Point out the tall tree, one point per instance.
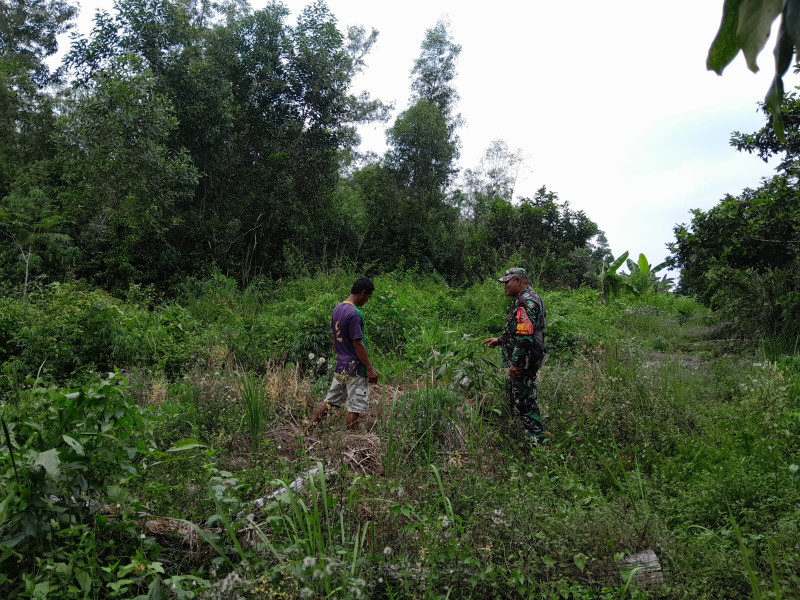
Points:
(423, 148)
(29, 31)
(420, 152)
(263, 108)
(435, 70)
(121, 179)
(432, 81)
(28, 36)
(494, 178)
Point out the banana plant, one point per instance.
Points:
(609, 277)
(643, 277)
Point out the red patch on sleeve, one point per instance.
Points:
(524, 325)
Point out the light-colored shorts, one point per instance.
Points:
(352, 389)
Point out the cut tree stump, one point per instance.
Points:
(646, 568)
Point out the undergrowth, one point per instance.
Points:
(159, 451)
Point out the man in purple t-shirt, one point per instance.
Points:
(354, 371)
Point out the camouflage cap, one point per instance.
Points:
(511, 273)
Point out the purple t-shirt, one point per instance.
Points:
(347, 324)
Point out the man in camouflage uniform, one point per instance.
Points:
(522, 343)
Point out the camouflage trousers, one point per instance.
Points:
(523, 395)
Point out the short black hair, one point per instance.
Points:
(362, 284)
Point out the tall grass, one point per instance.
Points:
(670, 377)
(253, 393)
(430, 422)
(311, 528)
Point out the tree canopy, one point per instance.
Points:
(195, 137)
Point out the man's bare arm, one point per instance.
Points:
(361, 353)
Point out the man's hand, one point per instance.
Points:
(492, 342)
(513, 372)
(361, 353)
(372, 375)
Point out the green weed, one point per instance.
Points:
(253, 394)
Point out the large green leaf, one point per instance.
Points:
(644, 266)
(84, 580)
(184, 445)
(153, 592)
(74, 444)
(658, 267)
(773, 101)
(617, 263)
(784, 50)
(791, 21)
(755, 22)
(725, 46)
(50, 461)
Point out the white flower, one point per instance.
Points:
(309, 562)
(310, 356)
(445, 522)
(306, 593)
(387, 551)
(529, 474)
(321, 360)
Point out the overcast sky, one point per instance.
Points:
(610, 102)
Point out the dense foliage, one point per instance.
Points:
(663, 437)
(199, 137)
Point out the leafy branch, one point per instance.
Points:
(746, 26)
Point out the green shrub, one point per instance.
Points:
(577, 320)
(64, 455)
(68, 329)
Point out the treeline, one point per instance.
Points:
(183, 138)
(742, 257)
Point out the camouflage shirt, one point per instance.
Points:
(523, 333)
